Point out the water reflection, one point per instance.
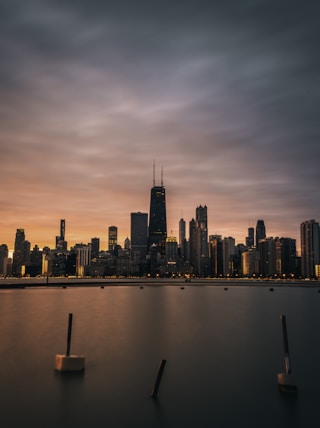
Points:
(223, 352)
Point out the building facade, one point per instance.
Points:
(158, 219)
(310, 248)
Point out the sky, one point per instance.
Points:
(223, 95)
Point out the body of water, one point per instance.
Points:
(223, 349)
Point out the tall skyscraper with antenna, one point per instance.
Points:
(158, 215)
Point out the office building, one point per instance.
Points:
(215, 255)
(139, 233)
(192, 245)
(310, 248)
(158, 217)
(267, 252)
(112, 238)
(250, 237)
(202, 249)
(260, 232)
(182, 238)
(18, 254)
(4, 252)
(61, 243)
(228, 251)
(95, 247)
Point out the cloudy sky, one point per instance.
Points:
(224, 95)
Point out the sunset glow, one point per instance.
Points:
(223, 96)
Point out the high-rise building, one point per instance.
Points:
(61, 243)
(202, 249)
(158, 217)
(62, 229)
(182, 238)
(112, 238)
(95, 247)
(250, 237)
(18, 252)
(286, 257)
(310, 248)
(139, 234)
(139, 243)
(250, 262)
(216, 256)
(171, 249)
(3, 259)
(228, 251)
(267, 251)
(260, 232)
(192, 244)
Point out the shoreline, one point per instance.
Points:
(21, 283)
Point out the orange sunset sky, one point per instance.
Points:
(223, 95)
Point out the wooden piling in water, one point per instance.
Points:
(158, 379)
(67, 362)
(286, 381)
(69, 335)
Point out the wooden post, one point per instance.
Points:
(285, 344)
(67, 362)
(286, 381)
(158, 379)
(69, 335)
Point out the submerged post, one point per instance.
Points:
(69, 335)
(285, 344)
(286, 381)
(158, 379)
(67, 362)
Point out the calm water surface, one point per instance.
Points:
(223, 350)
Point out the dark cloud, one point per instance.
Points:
(223, 94)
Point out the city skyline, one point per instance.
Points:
(223, 96)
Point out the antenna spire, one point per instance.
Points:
(154, 173)
(162, 176)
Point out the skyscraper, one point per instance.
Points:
(202, 249)
(310, 247)
(158, 216)
(60, 240)
(139, 233)
(192, 244)
(20, 253)
(112, 238)
(182, 238)
(250, 237)
(267, 254)
(62, 229)
(260, 232)
(95, 247)
(228, 250)
(3, 259)
(216, 255)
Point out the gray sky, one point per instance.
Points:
(223, 94)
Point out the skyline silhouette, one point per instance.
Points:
(222, 95)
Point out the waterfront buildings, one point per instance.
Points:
(112, 238)
(60, 239)
(260, 232)
(20, 252)
(310, 248)
(139, 242)
(182, 238)
(250, 237)
(150, 252)
(158, 217)
(3, 259)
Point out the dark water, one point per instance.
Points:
(223, 350)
